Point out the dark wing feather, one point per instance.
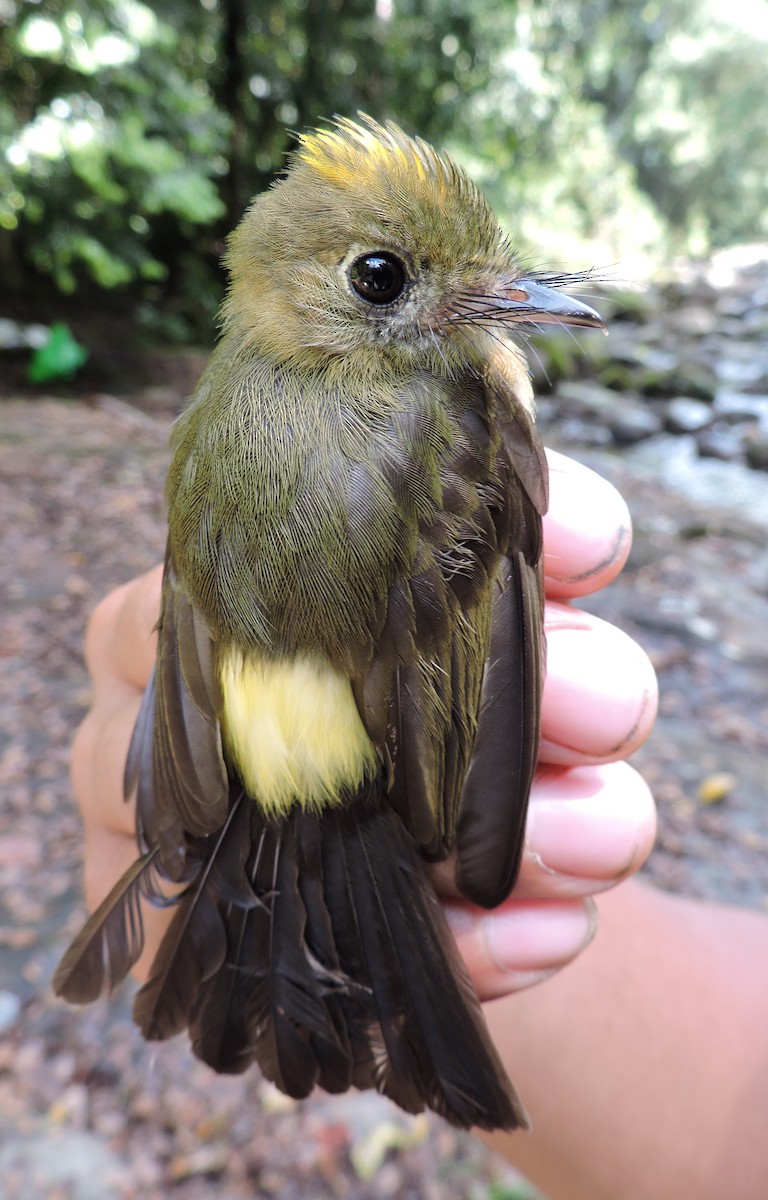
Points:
(419, 697)
(524, 448)
(495, 798)
(175, 760)
(213, 911)
(194, 946)
(494, 801)
(137, 777)
(110, 942)
(458, 668)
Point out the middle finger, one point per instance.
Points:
(600, 692)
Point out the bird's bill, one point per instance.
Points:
(529, 300)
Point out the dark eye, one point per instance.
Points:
(379, 277)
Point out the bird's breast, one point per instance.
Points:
(292, 514)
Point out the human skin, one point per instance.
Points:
(644, 1064)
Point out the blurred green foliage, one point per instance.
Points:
(131, 137)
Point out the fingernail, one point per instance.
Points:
(577, 829)
(595, 703)
(537, 938)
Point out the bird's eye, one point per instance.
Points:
(379, 277)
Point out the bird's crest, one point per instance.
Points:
(351, 152)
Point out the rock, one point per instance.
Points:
(546, 410)
(617, 375)
(695, 320)
(686, 378)
(633, 423)
(621, 347)
(690, 285)
(742, 363)
(732, 305)
(63, 1162)
(756, 323)
(683, 414)
(654, 358)
(580, 398)
(756, 452)
(573, 431)
(725, 442)
(729, 488)
(631, 304)
(593, 415)
(742, 406)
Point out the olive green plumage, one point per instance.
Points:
(350, 654)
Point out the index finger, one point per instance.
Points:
(587, 531)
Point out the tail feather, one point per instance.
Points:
(218, 1023)
(397, 1069)
(111, 941)
(318, 951)
(267, 1003)
(438, 1048)
(193, 950)
(348, 1065)
(288, 1014)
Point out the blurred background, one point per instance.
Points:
(631, 138)
(132, 137)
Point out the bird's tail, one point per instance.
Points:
(314, 946)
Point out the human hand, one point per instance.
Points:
(591, 820)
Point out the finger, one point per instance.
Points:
(98, 759)
(588, 828)
(587, 531)
(520, 944)
(121, 642)
(600, 692)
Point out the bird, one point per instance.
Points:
(350, 647)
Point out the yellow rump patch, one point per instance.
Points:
(294, 732)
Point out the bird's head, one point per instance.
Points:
(374, 247)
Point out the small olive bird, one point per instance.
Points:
(350, 648)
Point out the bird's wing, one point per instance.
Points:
(452, 696)
(175, 762)
(494, 801)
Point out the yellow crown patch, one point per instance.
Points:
(350, 150)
